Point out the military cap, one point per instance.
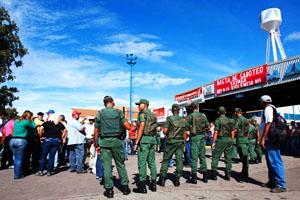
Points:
(142, 101)
(237, 110)
(193, 105)
(175, 106)
(107, 99)
(222, 110)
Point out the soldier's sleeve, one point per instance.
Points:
(142, 117)
(97, 123)
(168, 123)
(217, 125)
(122, 116)
(237, 124)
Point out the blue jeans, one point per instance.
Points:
(188, 152)
(99, 167)
(132, 143)
(50, 147)
(275, 165)
(17, 146)
(125, 149)
(76, 157)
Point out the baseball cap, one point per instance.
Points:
(237, 110)
(175, 106)
(144, 101)
(266, 98)
(75, 113)
(50, 111)
(222, 109)
(40, 114)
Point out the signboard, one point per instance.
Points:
(189, 96)
(248, 78)
(209, 90)
(159, 112)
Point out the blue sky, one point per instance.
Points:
(77, 47)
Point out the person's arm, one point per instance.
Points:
(268, 120)
(258, 136)
(63, 136)
(139, 135)
(97, 129)
(265, 134)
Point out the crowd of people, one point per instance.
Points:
(32, 144)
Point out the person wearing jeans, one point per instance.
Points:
(76, 158)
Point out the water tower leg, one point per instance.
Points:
(274, 46)
(280, 46)
(268, 50)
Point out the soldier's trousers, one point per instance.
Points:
(243, 144)
(146, 155)
(170, 149)
(234, 149)
(252, 153)
(198, 151)
(106, 156)
(224, 144)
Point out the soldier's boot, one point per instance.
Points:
(109, 193)
(194, 179)
(177, 182)
(258, 160)
(142, 188)
(153, 186)
(214, 175)
(205, 178)
(227, 176)
(161, 181)
(125, 190)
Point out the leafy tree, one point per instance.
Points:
(11, 54)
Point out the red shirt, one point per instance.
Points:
(132, 132)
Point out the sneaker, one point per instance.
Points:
(82, 172)
(278, 189)
(40, 173)
(50, 173)
(269, 184)
(11, 167)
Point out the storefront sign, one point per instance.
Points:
(190, 95)
(251, 77)
(159, 112)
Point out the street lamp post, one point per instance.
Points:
(131, 60)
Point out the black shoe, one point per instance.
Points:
(258, 160)
(40, 173)
(125, 190)
(141, 188)
(214, 175)
(101, 182)
(227, 176)
(161, 181)
(193, 180)
(109, 193)
(269, 184)
(251, 162)
(205, 178)
(177, 182)
(153, 186)
(82, 172)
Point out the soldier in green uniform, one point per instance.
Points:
(235, 158)
(198, 125)
(145, 145)
(258, 150)
(110, 123)
(157, 137)
(176, 131)
(241, 133)
(252, 136)
(223, 130)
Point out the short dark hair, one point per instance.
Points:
(107, 99)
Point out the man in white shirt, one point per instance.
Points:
(76, 141)
(89, 148)
(273, 157)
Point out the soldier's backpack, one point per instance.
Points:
(226, 127)
(111, 124)
(277, 133)
(179, 126)
(150, 124)
(198, 124)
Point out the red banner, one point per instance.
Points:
(159, 112)
(254, 76)
(189, 94)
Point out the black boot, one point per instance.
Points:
(194, 179)
(153, 186)
(214, 175)
(161, 181)
(205, 178)
(109, 193)
(258, 160)
(141, 188)
(177, 182)
(227, 176)
(125, 190)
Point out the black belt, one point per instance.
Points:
(18, 137)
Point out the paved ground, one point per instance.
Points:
(65, 185)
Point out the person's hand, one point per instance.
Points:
(135, 147)
(262, 142)
(42, 139)
(213, 146)
(98, 150)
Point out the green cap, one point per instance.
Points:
(237, 110)
(144, 101)
(175, 106)
(193, 105)
(107, 98)
(222, 110)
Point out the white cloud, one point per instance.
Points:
(136, 44)
(295, 36)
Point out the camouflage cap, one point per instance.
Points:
(221, 110)
(175, 106)
(237, 110)
(142, 101)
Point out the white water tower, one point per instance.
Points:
(270, 20)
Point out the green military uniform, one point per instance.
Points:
(146, 150)
(257, 147)
(242, 125)
(234, 149)
(157, 137)
(252, 136)
(176, 126)
(198, 124)
(224, 127)
(110, 123)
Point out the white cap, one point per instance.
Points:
(266, 98)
